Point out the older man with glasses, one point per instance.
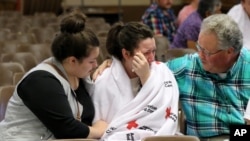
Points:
(214, 83)
(207, 53)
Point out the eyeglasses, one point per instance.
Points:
(207, 53)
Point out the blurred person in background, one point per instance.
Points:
(188, 32)
(241, 14)
(160, 17)
(186, 11)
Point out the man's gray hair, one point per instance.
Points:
(226, 29)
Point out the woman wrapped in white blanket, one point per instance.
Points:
(136, 95)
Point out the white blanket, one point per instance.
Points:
(153, 111)
(238, 13)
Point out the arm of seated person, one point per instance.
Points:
(97, 129)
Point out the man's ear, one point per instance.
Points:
(230, 50)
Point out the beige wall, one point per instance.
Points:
(132, 10)
(112, 2)
(105, 2)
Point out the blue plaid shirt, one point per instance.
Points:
(211, 103)
(160, 21)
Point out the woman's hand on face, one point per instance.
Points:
(141, 67)
(105, 64)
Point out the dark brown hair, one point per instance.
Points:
(126, 36)
(74, 39)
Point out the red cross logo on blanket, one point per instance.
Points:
(168, 111)
(132, 124)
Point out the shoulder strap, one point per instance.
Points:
(73, 93)
(58, 70)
